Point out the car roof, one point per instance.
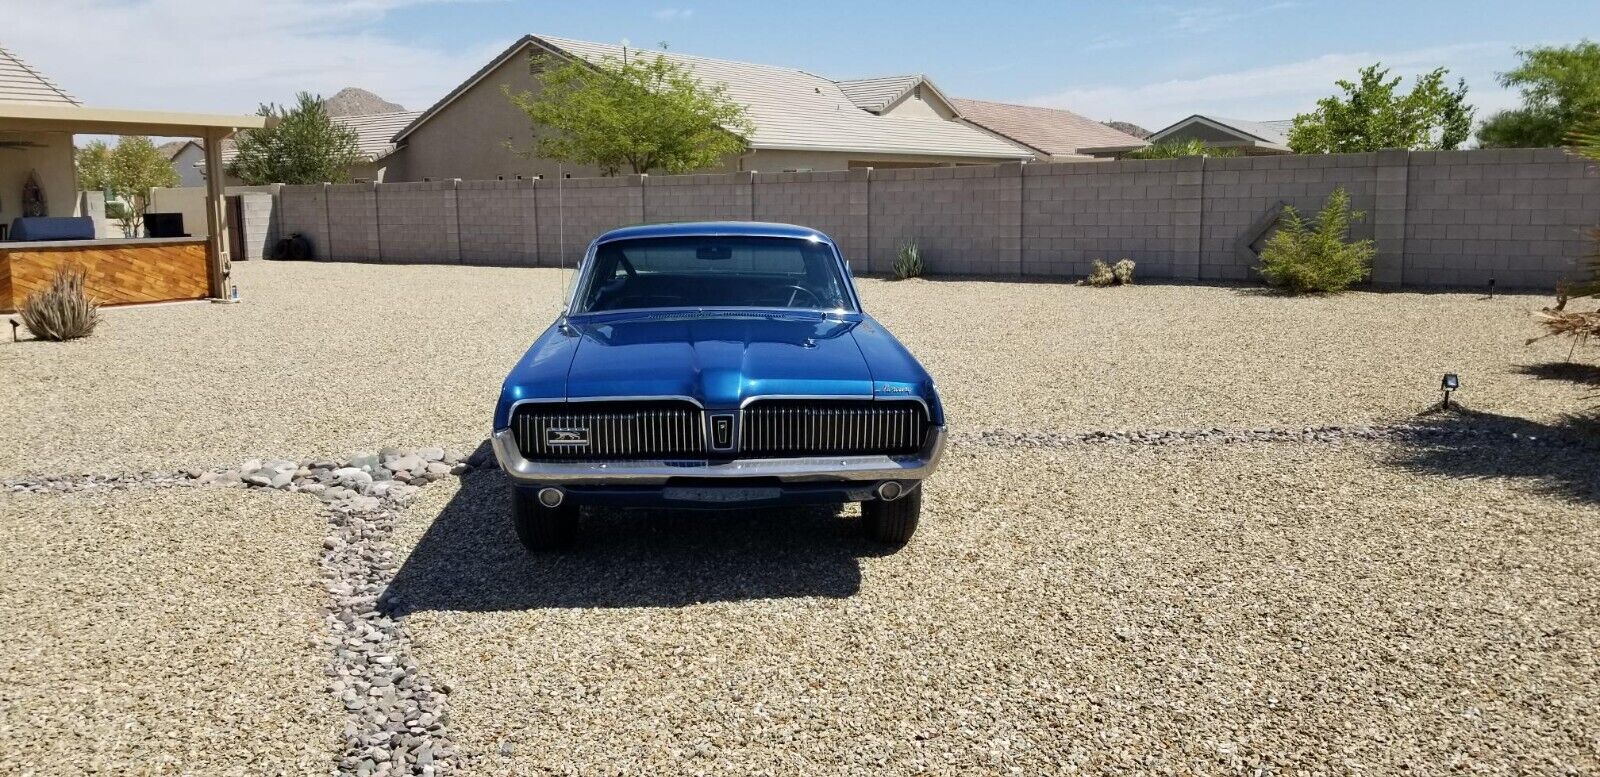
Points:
(700, 228)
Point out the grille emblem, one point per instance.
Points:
(721, 432)
(577, 435)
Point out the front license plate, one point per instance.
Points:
(720, 494)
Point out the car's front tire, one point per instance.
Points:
(542, 529)
(892, 523)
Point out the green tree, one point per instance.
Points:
(1175, 149)
(127, 173)
(300, 145)
(1373, 114)
(644, 114)
(1560, 89)
(94, 166)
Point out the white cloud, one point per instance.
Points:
(230, 55)
(673, 14)
(1283, 90)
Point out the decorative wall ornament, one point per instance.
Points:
(33, 201)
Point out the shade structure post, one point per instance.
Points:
(216, 214)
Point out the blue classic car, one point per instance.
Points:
(716, 365)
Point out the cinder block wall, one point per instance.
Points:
(1147, 211)
(1438, 218)
(834, 202)
(497, 222)
(1516, 215)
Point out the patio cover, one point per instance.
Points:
(212, 128)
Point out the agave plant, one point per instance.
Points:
(908, 262)
(64, 310)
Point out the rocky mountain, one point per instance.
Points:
(1129, 128)
(351, 101)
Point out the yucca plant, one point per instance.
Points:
(1585, 142)
(1304, 257)
(1558, 321)
(908, 262)
(64, 311)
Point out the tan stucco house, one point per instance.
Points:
(1251, 138)
(803, 121)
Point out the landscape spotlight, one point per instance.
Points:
(1450, 383)
(14, 326)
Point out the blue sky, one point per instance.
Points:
(1151, 63)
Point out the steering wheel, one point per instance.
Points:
(795, 295)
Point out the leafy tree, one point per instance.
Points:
(127, 172)
(1560, 88)
(94, 166)
(1372, 115)
(643, 114)
(1174, 149)
(302, 146)
(1302, 257)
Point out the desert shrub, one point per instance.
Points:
(908, 262)
(1304, 257)
(63, 311)
(1100, 274)
(1123, 270)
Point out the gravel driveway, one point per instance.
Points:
(1335, 601)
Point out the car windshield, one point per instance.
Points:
(713, 271)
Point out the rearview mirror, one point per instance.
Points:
(713, 253)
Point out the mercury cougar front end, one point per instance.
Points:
(716, 365)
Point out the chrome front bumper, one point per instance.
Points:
(808, 469)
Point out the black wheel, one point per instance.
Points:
(542, 528)
(892, 523)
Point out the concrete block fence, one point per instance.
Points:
(1449, 218)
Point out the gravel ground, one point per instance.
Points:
(363, 356)
(1147, 357)
(163, 631)
(1322, 603)
(1186, 608)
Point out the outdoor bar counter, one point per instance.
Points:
(116, 272)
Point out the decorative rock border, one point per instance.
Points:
(1005, 438)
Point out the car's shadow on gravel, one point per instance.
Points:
(469, 559)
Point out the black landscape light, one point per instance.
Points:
(14, 326)
(1450, 383)
(1491, 288)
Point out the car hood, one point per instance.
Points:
(717, 359)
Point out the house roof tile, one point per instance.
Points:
(1054, 131)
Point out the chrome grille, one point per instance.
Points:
(787, 427)
(610, 430)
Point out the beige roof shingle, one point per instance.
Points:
(1054, 131)
(790, 108)
(875, 94)
(20, 83)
